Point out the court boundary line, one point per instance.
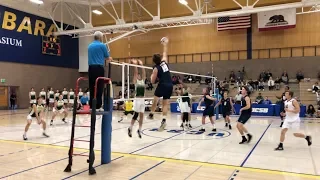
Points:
(76, 174)
(42, 165)
(193, 172)
(152, 167)
(183, 161)
(254, 147)
(52, 144)
(150, 145)
(234, 173)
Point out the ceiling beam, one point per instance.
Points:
(251, 10)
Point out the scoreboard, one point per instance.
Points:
(51, 45)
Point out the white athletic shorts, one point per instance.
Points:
(139, 106)
(30, 116)
(60, 111)
(71, 101)
(65, 101)
(33, 101)
(295, 124)
(51, 100)
(184, 107)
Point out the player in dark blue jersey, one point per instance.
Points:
(209, 109)
(245, 114)
(227, 108)
(164, 89)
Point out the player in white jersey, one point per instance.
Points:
(138, 104)
(43, 95)
(51, 99)
(71, 97)
(32, 97)
(292, 120)
(59, 108)
(37, 112)
(80, 93)
(65, 95)
(184, 104)
(56, 95)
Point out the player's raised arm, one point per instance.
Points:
(164, 42)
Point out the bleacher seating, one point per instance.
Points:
(305, 96)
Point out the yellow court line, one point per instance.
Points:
(175, 160)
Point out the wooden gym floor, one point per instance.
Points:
(157, 156)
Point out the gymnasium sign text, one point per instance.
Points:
(38, 27)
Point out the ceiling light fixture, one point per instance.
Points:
(37, 1)
(184, 2)
(97, 12)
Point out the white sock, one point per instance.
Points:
(164, 117)
(130, 127)
(214, 126)
(140, 129)
(25, 133)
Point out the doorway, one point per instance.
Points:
(13, 90)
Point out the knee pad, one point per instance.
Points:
(135, 116)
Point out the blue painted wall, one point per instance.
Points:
(31, 50)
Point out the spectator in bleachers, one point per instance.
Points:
(256, 82)
(311, 111)
(261, 85)
(240, 76)
(208, 80)
(268, 75)
(244, 73)
(299, 76)
(232, 77)
(149, 85)
(238, 98)
(298, 100)
(198, 78)
(271, 84)
(252, 84)
(277, 83)
(174, 80)
(259, 99)
(318, 98)
(249, 86)
(266, 100)
(285, 77)
(239, 85)
(263, 76)
(190, 79)
(315, 87)
(318, 112)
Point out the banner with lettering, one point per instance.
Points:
(27, 38)
(278, 19)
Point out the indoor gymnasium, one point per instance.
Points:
(160, 89)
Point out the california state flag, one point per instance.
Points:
(275, 20)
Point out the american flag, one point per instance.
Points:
(235, 22)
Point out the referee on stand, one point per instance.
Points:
(97, 55)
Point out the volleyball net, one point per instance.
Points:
(125, 89)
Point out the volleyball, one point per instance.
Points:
(164, 40)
